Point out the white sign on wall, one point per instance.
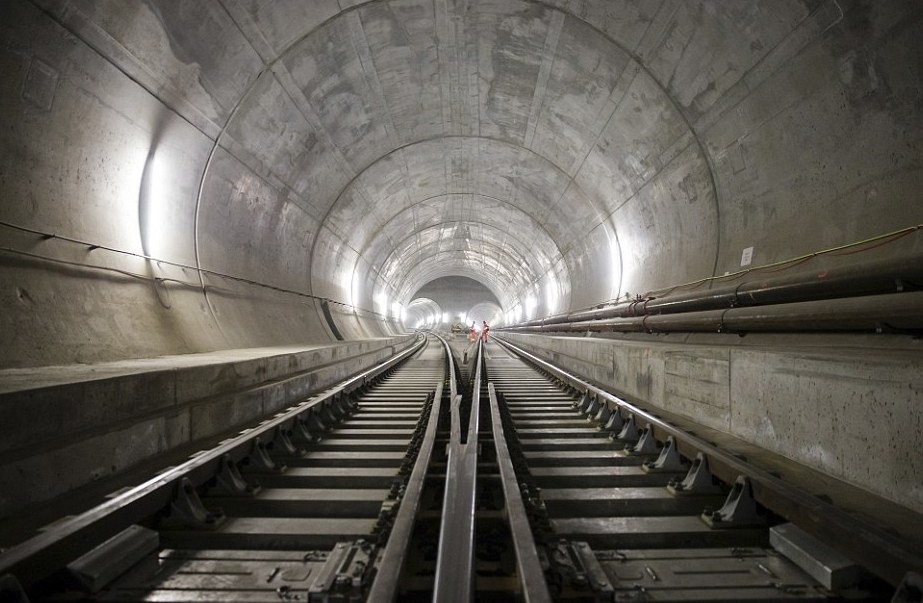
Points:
(746, 257)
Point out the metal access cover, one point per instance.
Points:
(719, 574)
(221, 576)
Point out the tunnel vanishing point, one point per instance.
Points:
(711, 208)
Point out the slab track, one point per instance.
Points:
(401, 484)
(622, 506)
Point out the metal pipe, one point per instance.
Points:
(846, 281)
(855, 280)
(897, 312)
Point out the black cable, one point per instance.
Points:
(94, 246)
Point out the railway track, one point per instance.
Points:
(403, 484)
(623, 506)
(316, 503)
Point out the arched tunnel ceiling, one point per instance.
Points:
(526, 123)
(583, 148)
(454, 299)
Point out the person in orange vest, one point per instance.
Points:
(484, 330)
(473, 333)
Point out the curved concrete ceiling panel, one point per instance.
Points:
(584, 149)
(273, 235)
(505, 267)
(461, 166)
(388, 209)
(422, 311)
(372, 114)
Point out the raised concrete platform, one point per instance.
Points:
(66, 426)
(850, 407)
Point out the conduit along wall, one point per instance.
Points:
(820, 362)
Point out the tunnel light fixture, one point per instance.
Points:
(381, 303)
(445, 317)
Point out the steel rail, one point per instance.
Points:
(45, 553)
(887, 556)
(454, 580)
(453, 383)
(531, 576)
(387, 579)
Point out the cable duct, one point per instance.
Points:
(876, 296)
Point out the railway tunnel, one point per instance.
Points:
(211, 209)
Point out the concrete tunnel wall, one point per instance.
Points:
(849, 409)
(211, 171)
(587, 150)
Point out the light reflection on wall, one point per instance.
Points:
(552, 293)
(150, 204)
(616, 270)
(530, 304)
(354, 288)
(346, 279)
(381, 303)
(421, 312)
(484, 311)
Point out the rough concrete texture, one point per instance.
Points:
(458, 297)
(852, 409)
(566, 150)
(213, 169)
(99, 420)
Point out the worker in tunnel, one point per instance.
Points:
(484, 329)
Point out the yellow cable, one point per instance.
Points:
(805, 257)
